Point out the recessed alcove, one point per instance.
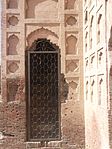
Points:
(70, 4)
(70, 20)
(12, 66)
(72, 66)
(13, 41)
(12, 4)
(13, 20)
(71, 45)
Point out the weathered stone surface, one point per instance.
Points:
(22, 23)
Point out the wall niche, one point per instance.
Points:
(12, 4)
(70, 4)
(13, 20)
(72, 66)
(71, 45)
(70, 20)
(13, 41)
(12, 66)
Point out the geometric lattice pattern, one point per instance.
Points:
(44, 105)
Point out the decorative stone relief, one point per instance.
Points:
(12, 4)
(72, 66)
(71, 45)
(13, 20)
(42, 9)
(69, 4)
(13, 41)
(41, 33)
(12, 66)
(70, 20)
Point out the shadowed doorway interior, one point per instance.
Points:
(42, 88)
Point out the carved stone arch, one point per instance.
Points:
(71, 47)
(13, 41)
(43, 44)
(42, 33)
(71, 20)
(13, 20)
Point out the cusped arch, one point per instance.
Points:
(71, 20)
(71, 45)
(13, 20)
(13, 41)
(42, 33)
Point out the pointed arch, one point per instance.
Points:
(42, 33)
(13, 41)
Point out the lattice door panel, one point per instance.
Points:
(43, 95)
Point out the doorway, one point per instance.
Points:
(42, 88)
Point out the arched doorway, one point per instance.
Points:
(42, 88)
